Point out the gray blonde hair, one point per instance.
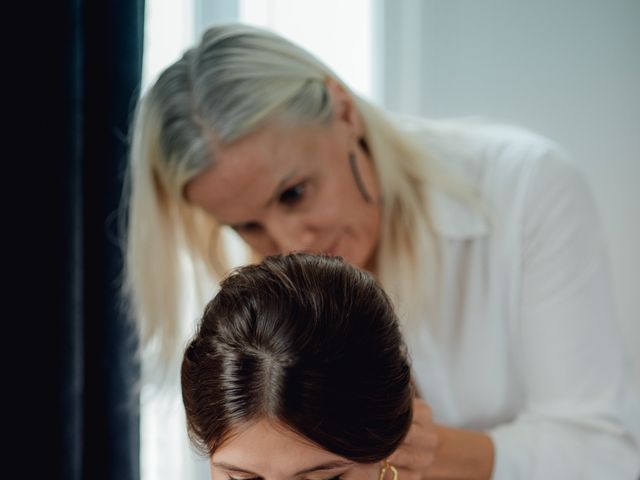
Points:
(236, 80)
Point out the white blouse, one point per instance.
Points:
(525, 345)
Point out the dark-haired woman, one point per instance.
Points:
(298, 370)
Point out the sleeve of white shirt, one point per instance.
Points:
(581, 415)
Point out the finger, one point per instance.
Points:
(422, 439)
(422, 406)
(412, 458)
(406, 474)
(422, 414)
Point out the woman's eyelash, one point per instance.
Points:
(292, 195)
(246, 227)
(337, 477)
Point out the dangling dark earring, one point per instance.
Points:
(364, 145)
(358, 179)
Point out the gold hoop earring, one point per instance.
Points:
(388, 466)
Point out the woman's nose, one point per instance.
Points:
(292, 234)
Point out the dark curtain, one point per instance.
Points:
(77, 73)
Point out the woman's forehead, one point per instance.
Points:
(271, 450)
(242, 173)
(248, 172)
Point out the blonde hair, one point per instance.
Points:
(236, 80)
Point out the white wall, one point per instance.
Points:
(569, 69)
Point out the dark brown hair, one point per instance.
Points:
(308, 341)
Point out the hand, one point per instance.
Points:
(416, 454)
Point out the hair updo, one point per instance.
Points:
(308, 341)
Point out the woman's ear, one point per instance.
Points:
(344, 106)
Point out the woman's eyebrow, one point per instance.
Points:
(280, 187)
(326, 466)
(276, 193)
(233, 468)
(323, 466)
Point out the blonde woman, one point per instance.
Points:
(485, 237)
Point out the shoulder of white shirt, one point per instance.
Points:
(472, 147)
